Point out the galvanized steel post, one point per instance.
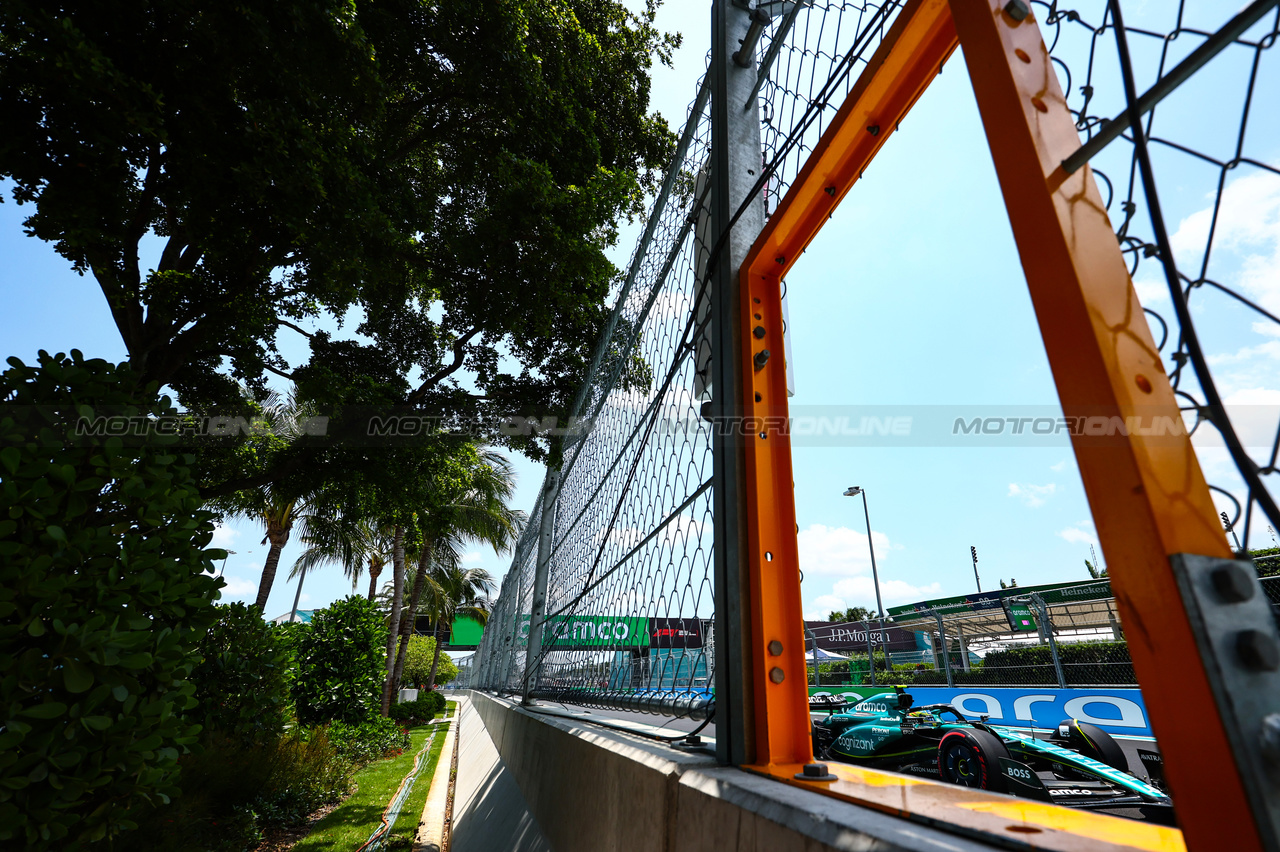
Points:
(735, 158)
(546, 534)
(1042, 611)
(946, 651)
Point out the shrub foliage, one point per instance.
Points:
(341, 663)
(244, 676)
(105, 588)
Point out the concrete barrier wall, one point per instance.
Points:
(593, 789)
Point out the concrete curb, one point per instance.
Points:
(432, 826)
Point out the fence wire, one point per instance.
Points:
(630, 598)
(1193, 189)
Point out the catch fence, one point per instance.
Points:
(665, 541)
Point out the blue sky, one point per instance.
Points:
(912, 295)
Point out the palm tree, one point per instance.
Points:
(472, 512)
(356, 544)
(276, 507)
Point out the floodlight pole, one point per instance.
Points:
(854, 491)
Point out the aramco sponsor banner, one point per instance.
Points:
(1119, 712)
(565, 632)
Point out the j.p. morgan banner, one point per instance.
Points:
(1119, 712)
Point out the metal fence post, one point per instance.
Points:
(871, 659)
(1042, 610)
(735, 158)
(546, 535)
(946, 652)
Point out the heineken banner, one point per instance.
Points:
(1053, 594)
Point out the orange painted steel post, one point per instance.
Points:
(906, 62)
(1147, 493)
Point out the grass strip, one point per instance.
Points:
(351, 823)
(402, 834)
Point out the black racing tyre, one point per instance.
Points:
(1092, 741)
(971, 758)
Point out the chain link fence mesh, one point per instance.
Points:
(630, 598)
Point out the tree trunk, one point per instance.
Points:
(278, 537)
(397, 594)
(375, 571)
(435, 661)
(406, 626)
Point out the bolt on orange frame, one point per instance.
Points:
(1148, 496)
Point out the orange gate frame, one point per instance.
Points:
(1148, 495)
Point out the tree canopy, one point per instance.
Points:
(446, 176)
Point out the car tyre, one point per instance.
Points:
(1092, 741)
(971, 758)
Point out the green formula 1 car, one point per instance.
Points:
(1078, 765)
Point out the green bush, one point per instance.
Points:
(341, 658)
(232, 790)
(244, 676)
(1083, 663)
(436, 701)
(424, 709)
(106, 586)
(370, 740)
(308, 771)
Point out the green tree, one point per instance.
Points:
(472, 509)
(450, 173)
(853, 613)
(420, 657)
(106, 586)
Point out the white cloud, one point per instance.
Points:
(1060, 466)
(1266, 328)
(472, 557)
(223, 537)
(838, 550)
(1151, 290)
(822, 605)
(1032, 495)
(1247, 231)
(238, 587)
(1081, 533)
(861, 591)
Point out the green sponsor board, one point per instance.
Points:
(1021, 620)
(590, 631)
(466, 631)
